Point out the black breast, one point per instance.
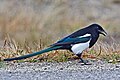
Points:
(94, 39)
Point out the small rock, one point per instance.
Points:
(61, 68)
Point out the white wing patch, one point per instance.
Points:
(78, 48)
(86, 35)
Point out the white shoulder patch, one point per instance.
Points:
(86, 35)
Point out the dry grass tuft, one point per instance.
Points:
(12, 49)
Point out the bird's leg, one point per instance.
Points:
(81, 60)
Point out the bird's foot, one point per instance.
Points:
(84, 62)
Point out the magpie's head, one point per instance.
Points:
(99, 29)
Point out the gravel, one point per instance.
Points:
(71, 70)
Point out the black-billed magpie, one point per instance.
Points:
(76, 42)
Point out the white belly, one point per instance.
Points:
(78, 48)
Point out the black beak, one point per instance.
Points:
(102, 32)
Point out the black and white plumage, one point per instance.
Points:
(76, 42)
